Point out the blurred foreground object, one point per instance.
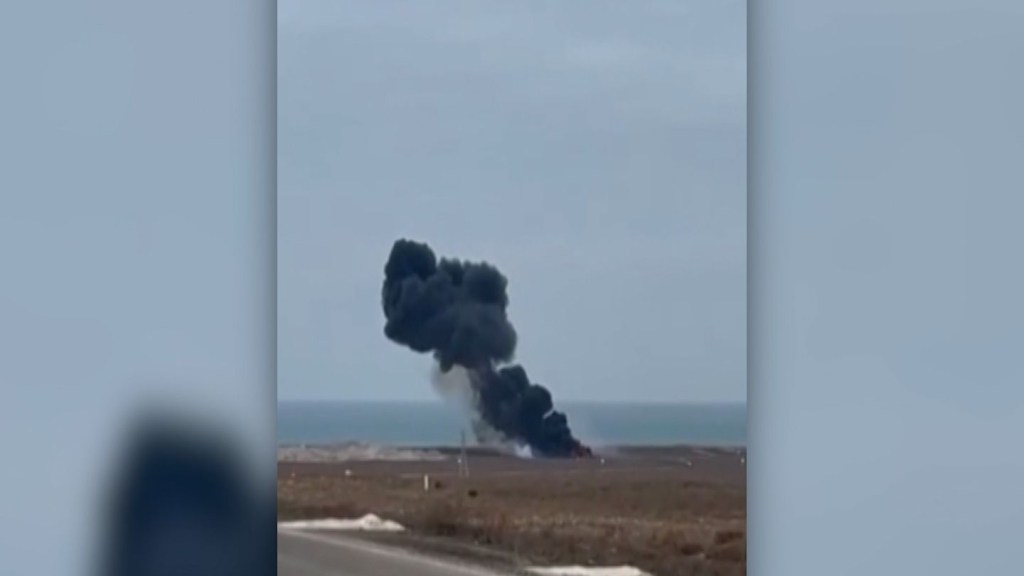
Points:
(181, 506)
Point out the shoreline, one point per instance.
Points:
(444, 458)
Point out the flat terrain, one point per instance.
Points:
(331, 554)
(670, 511)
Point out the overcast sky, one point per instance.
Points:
(594, 151)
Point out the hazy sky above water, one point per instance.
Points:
(594, 151)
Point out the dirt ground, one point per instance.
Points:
(670, 511)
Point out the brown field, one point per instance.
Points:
(670, 511)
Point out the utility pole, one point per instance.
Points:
(464, 458)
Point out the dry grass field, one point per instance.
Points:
(670, 511)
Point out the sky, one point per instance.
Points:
(595, 152)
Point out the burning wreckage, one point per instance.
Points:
(457, 311)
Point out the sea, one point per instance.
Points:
(441, 424)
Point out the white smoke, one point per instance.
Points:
(485, 434)
(455, 387)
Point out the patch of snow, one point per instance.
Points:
(370, 522)
(588, 571)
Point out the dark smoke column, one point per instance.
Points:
(456, 310)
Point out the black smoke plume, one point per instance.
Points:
(457, 311)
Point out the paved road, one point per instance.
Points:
(327, 554)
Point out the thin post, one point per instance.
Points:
(464, 467)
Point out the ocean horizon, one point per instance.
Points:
(427, 423)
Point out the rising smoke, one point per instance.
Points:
(457, 311)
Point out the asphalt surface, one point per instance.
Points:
(309, 553)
